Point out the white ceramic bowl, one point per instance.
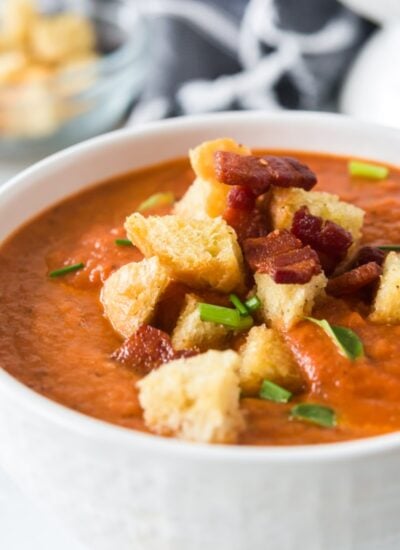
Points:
(119, 490)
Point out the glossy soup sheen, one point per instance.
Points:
(55, 339)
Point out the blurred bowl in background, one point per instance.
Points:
(372, 88)
(82, 100)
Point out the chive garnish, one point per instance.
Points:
(123, 242)
(224, 316)
(317, 414)
(273, 392)
(239, 305)
(253, 303)
(346, 340)
(158, 199)
(368, 171)
(394, 247)
(65, 270)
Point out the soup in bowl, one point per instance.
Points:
(244, 296)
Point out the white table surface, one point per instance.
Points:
(23, 526)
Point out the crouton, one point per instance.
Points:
(386, 308)
(285, 202)
(264, 355)
(202, 157)
(203, 198)
(195, 399)
(202, 253)
(285, 305)
(191, 332)
(129, 295)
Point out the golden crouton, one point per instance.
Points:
(265, 355)
(17, 19)
(191, 332)
(59, 38)
(202, 253)
(202, 157)
(285, 202)
(386, 307)
(203, 198)
(195, 399)
(129, 295)
(284, 305)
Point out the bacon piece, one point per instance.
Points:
(259, 251)
(282, 256)
(368, 254)
(243, 214)
(147, 349)
(354, 280)
(328, 239)
(259, 173)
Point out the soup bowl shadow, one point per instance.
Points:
(118, 489)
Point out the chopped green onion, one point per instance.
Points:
(366, 170)
(317, 414)
(67, 269)
(253, 303)
(347, 341)
(158, 199)
(123, 242)
(239, 305)
(395, 247)
(224, 316)
(273, 392)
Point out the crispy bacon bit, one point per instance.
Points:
(259, 173)
(243, 215)
(368, 254)
(147, 349)
(354, 280)
(282, 256)
(327, 238)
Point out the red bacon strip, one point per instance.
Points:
(243, 214)
(147, 349)
(368, 254)
(282, 256)
(259, 173)
(327, 238)
(354, 280)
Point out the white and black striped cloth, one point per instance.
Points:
(212, 55)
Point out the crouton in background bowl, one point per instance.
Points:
(120, 489)
(67, 74)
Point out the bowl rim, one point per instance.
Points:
(170, 447)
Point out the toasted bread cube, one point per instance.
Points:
(285, 305)
(129, 296)
(17, 19)
(264, 355)
(202, 157)
(202, 253)
(386, 307)
(195, 399)
(203, 198)
(191, 332)
(62, 37)
(286, 202)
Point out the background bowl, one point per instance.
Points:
(83, 101)
(120, 489)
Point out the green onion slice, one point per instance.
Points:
(123, 242)
(224, 316)
(347, 341)
(369, 171)
(253, 303)
(158, 199)
(67, 269)
(239, 305)
(317, 414)
(395, 247)
(273, 392)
